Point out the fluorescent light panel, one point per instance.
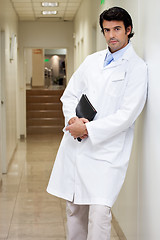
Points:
(49, 4)
(49, 12)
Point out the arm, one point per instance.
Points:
(73, 92)
(133, 102)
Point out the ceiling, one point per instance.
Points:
(31, 10)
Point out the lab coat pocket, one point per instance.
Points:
(116, 85)
(111, 149)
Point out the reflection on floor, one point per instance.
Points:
(27, 211)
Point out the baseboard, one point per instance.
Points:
(118, 228)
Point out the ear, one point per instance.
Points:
(128, 30)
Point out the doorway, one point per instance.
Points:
(53, 67)
(43, 106)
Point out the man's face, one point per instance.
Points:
(115, 34)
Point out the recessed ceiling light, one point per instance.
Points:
(49, 4)
(49, 12)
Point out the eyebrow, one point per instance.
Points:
(112, 28)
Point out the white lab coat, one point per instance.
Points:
(93, 171)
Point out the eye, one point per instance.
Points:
(117, 29)
(105, 30)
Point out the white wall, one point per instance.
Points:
(28, 65)
(85, 26)
(0, 109)
(149, 179)
(9, 25)
(137, 208)
(46, 35)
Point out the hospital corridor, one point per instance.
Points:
(27, 211)
(42, 44)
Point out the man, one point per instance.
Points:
(89, 174)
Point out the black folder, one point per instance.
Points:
(85, 109)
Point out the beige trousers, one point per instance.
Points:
(88, 222)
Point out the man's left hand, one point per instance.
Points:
(78, 128)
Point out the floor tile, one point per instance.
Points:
(10, 188)
(43, 196)
(6, 196)
(38, 171)
(4, 229)
(113, 232)
(115, 238)
(44, 156)
(5, 218)
(23, 231)
(33, 186)
(31, 211)
(34, 238)
(7, 203)
(11, 179)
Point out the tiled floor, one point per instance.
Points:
(27, 211)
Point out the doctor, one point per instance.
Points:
(89, 174)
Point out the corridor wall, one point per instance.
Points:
(9, 30)
(137, 207)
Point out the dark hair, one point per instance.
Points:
(117, 14)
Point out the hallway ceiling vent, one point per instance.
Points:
(49, 4)
(49, 12)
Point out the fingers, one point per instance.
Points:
(84, 120)
(72, 120)
(67, 128)
(84, 136)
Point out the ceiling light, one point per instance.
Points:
(49, 4)
(49, 12)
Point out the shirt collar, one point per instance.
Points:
(118, 54)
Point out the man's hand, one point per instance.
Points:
(72, 120)
(77, 127)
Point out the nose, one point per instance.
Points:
(111, 33)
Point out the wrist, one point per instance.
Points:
(85, 130)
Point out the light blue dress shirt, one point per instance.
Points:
(114, 56)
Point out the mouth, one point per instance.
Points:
(113, 41)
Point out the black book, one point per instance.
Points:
(85, 109)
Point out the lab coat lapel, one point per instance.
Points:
(113, 64)
(101, 58)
